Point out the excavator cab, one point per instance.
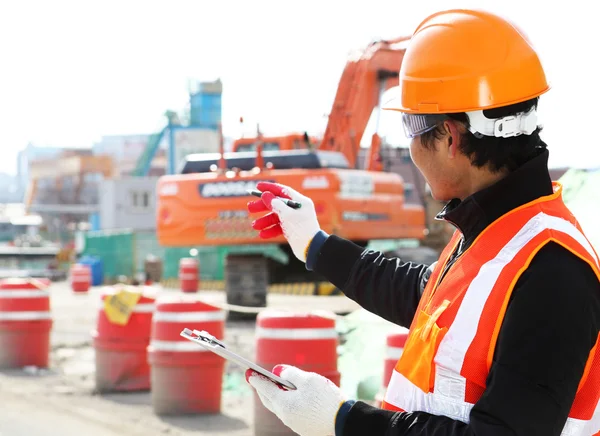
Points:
(280, 160)
(293, 141)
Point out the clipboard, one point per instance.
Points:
(208, 341)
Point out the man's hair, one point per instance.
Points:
(496, 153)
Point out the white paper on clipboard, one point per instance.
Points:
(208, 341)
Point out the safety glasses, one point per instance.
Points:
(417, 124)
(522, 123)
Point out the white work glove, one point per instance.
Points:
(299, 226)
(310, 410)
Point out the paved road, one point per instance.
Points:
(28, 416)
(48, 404)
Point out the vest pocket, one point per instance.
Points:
(416, 363)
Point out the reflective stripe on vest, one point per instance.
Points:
(445, 401)
(482, 285)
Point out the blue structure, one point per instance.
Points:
(96, 266)
(205, 113)
(205, 105)
(94, 222)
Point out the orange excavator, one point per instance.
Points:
(206, 204)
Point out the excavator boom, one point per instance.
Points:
(364, 79)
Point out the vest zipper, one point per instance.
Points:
(460, 249)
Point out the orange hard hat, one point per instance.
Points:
(467, 60)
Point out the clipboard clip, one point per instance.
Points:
(197, 335)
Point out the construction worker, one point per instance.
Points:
(504, 327)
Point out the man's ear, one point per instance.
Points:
(452, 137)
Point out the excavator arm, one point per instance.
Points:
(364, 79)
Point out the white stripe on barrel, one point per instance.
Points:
(144, 308)
(24, 293)
(176, 346)
(296, 334)
(138, 308)
(189, 316)
(188, 276)
(24, 316)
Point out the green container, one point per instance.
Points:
(115, 249)
(123, 253)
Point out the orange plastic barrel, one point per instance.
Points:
(189, 274)
(186, 378)
(25, 323)
(81, 277)
(307, 341)
(394, 346)
(121, 350)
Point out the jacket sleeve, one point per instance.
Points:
(387, 287)
(551, 325)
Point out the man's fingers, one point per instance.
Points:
(266, 221)
(257, 206)
(249, 373)
(267, 202)
(278, 368)
(274, 188)
(290, 373)
(269, 225)
(264, 387)
(274, 204)
(268, 199)
(271, 232)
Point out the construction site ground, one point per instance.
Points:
(61, 400)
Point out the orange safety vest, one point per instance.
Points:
(450, 348)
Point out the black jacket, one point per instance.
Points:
(551, 324)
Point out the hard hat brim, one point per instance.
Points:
(393, 104)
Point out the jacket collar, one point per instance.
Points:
(527, 183)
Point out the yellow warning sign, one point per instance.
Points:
(119, 306)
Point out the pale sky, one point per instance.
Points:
(72, 71)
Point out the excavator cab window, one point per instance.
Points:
(267, 146)
(281, 160)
